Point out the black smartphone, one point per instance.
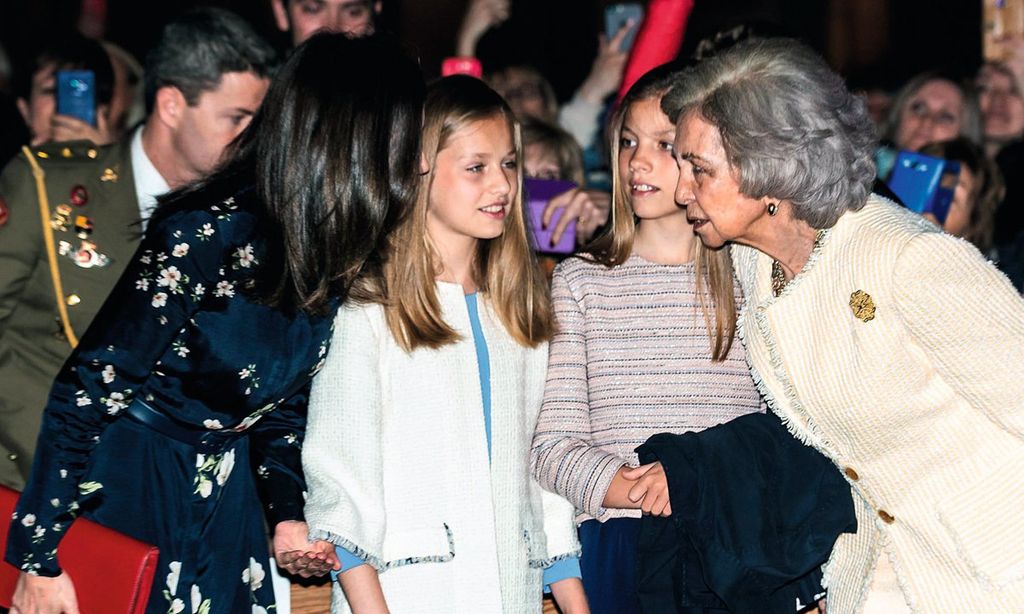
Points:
(76, 94)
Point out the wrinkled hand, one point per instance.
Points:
(590, 209)
(68, 128)
(296, 555)
(650, 490)
(40, 595)
(481, 16)
(606, 73)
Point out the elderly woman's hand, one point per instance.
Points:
(295, 554)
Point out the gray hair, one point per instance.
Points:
(970, 114)
(790, 128)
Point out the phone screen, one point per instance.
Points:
(616, 16)
(76, 94)
(537, 194)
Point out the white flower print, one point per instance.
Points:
(213, 425)
(225, 288)
(198, 605)
(205, 487)
(108, 374)
(199, 290)
(224, 467)
(159, 299)
(291, 438)
(161, 257)
(262, 471)
(204, 233)
(172, 578)
(177, 607)
(28, 520)
(38, 535)
(82, 399)
(180, 250)
(245, 256)
(253, 575)
(55, 502)
(63, 473)
(142, 284)
(258, 609)
(146, 257)
(169, 277)
(245, 373)
(115, 403)
(87, 488)
(200, 460)
(180, 349)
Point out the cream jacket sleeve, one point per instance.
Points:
(969, 320)
(342, 456)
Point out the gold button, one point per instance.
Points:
(91, 153)
(12, 456)
(886, 517)
(850, 473)
(42, 154)
(73, 299)
(66, 152)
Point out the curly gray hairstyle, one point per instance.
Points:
(790, 128)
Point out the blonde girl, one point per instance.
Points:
(644, 345)
(417, 451)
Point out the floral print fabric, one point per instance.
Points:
(180, 334)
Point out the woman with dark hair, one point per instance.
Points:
(185, 402)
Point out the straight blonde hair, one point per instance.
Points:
(715, 282)
(505, 267)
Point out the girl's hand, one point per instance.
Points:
(296, 555)
(569, 596)
(590, 209)
(41, 595)
(650, 490)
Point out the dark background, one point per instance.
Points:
(875, 43)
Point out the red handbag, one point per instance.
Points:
(113, 573)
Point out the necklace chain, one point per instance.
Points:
(779, 280)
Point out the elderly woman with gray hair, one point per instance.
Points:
(894, 349)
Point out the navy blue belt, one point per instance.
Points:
(202, 439)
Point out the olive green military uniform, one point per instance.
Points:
(91, 211)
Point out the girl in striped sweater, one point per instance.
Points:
(644, 345)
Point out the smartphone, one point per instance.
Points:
(925, 184)
(1000, 18)
(76, 94)
(537, 193)
(616, 15)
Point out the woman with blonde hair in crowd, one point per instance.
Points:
(644, 344)
(420, 426)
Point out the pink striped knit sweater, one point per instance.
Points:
(631, 358)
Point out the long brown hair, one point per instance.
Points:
(715, 282)
(505, 268)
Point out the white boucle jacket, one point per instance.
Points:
(921, 405)
(396, 461)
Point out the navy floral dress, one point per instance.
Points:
(180, 336)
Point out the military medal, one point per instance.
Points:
(61, 218)
(83, 226)
(86, 256)
(109, 174)
(79, 195)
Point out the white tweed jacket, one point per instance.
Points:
(916, 392)
(396, 461)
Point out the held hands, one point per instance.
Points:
(296, 555)
(606, 72)
(41, 595)
(590, 209)
(481, 16)
(650, 489)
